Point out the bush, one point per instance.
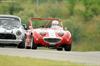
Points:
(74, 29)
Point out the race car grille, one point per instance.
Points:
(52, 40)
(7, 36)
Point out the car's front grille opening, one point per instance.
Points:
(52, 40)
(7, 36)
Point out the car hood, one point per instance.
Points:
(48, 30)
(51, 32)
(3, 30)
(9, 27)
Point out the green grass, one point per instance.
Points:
(25, 61)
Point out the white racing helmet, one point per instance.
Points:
(55, 22)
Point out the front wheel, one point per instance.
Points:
(21, 45)
(67, 47)
(34, 46)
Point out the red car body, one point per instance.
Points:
(48, 37)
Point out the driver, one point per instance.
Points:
(55, 24)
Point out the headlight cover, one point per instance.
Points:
(42, 33)
(60, 33)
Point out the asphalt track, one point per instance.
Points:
(92, 57)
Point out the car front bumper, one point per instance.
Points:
(9, 41)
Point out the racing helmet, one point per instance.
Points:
(55, 22)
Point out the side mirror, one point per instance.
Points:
(25, 27)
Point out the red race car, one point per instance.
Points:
(50, 34)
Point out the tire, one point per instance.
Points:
(28, 47)
(22, 44)
(67, 47)
(34, 46)
(59, 48)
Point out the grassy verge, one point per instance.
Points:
(20, 61)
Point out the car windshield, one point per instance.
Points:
(44, 24)
(9, 22)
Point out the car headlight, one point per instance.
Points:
(60, 33)
(18, 32)
(42, 33)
